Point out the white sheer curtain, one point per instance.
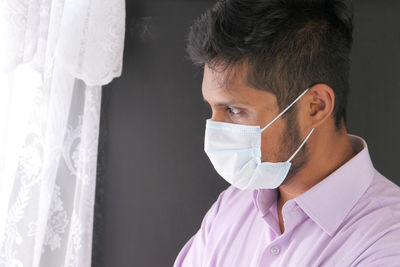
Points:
(54, 57)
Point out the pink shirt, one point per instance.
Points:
(350, 218)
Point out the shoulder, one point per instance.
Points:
(229, 198)
(225, 207)
(385, 194)
(379, 206)
(230, 203)
(234, 198)
(379, 220)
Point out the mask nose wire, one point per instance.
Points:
(280, 114)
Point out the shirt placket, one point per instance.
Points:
(274, 251)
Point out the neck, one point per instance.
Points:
(326, 154)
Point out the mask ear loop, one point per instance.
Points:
(280, 114)
(298, 149)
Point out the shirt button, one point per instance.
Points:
(295, 207)
(275, 250)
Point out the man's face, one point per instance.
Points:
(240, 104)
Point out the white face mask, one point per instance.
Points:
(235, 152)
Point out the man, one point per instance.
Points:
(303, 191)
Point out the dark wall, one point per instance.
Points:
(155, 183)
(374, 102)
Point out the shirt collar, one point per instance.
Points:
(328, 202)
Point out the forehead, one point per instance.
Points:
(225, 87)
(219, 79)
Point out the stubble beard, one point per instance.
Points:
(292, 139)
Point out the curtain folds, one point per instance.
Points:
(55, 56)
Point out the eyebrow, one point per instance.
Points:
(229, 103)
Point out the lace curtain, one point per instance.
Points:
(55, 55)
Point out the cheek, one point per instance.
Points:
(250, 117)
(272, 143)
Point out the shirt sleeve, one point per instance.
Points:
(384, 252)
(192, 252)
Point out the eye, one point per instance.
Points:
(233, 111)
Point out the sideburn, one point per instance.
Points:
(292, 139)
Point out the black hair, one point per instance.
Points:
(287, 45)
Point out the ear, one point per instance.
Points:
(321, 102)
